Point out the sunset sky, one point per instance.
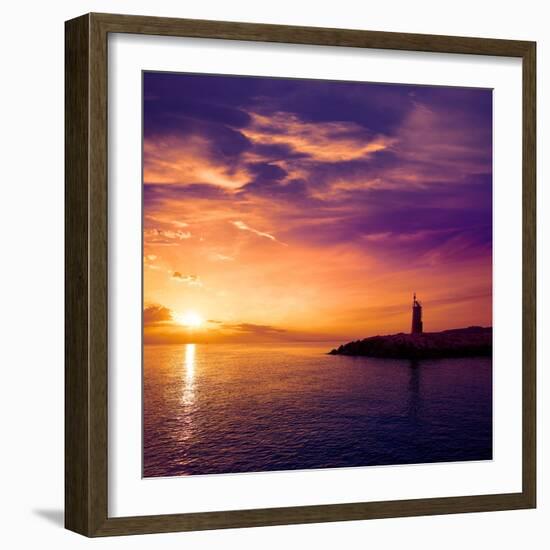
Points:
(303, 210)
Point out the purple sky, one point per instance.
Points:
(394, 178)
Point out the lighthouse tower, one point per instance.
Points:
(416, 316)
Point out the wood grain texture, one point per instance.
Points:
(98, 284)
(165, 26)
(86, 257)
(77, 153)
(529, 274)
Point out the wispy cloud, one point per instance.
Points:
(217, 257)
(167, 221)
(251, 328)
(165, 236)
(189, 160)
(245, 227)
(321, 141)
(191, 280)
(148, 261)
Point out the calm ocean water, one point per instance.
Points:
(211, 409)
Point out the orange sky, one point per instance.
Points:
(270, 221)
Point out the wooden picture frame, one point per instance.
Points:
(86, 294)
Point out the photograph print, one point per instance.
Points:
(317, 274)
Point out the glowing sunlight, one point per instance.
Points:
(189, 319)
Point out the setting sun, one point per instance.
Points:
(190, 319)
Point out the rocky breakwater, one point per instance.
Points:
(462, 342)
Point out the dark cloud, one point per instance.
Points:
(377, 107)
(265, 171)
(267, 178)
(407, 224)
(166, 107)
(250, 328)
(276, 151)
(229, 91)
(295, 190)
(154, 314)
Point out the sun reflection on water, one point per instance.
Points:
(189, 382)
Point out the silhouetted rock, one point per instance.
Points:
(462, 342)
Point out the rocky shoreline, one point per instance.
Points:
(462, 342)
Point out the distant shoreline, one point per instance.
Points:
(462, 342)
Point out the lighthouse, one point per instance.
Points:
(416, 316)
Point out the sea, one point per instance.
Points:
(233, 408)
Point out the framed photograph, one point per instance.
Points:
(300, 275)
